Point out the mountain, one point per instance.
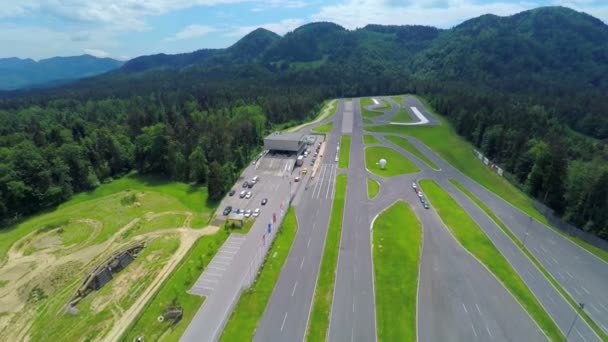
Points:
(18, 73)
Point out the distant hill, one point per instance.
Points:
(16, 73)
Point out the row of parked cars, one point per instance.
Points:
(423, 200)
(246, 195)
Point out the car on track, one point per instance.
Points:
(414, 186)
(419, 193)
(248, 213)
(264, 201)
(227, 210)
(422, 200)
(426, 205)
(248, 195)
(231, 193)
(256, 212)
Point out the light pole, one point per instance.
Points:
(582, 306)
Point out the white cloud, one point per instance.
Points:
(97, 53)
(358, 13)
(191, 31)
(280, 27)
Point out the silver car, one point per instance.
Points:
(248, 213)
(248, 195)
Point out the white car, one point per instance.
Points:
(248, 213)
(419, 193)
(414, 185)
(248, 195)
(336, 159)
(256, 212)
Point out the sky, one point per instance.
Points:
(124, 29)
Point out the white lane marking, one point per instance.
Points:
(284, 318)
(543, 248)
(584, 289)
(207, 280)
(595, 308)
(579, 334)
(302, 263)
(555, 261)
(217, 268)
(560, 275)
(223, 257)
(232, 247)
(314, 225)
(227, 252)
(603, 306)
(474, 331)
(353, 306)
(220, 262)
(308, 244)
(465, 308)
(604, 327)
(569, 275)
(551, 299)
(577, 291)
(294, 288)
(333, 169)
(488, 329)
(478, 309)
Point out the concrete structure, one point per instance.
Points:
(288, 142)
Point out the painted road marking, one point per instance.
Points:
(579, 334)
(584, 289)
(353, 306)
(308, 244)
(214, 274)
(555, 261)
(603, 306)
(577, 291)
(551, 299)
(604, 327)
(488, 329)
(474, 331)
(302, 263)
(569, 275)
(543, 248)
(217, 268)
(595, 308)
(284, 318)
(465, 308)
(209, 280)
(478, 309)
(294, 288)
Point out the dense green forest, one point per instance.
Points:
(526, 89)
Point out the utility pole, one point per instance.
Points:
(582, 306)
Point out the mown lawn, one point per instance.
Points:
(344, 151)
(173, 291)
(367, 101)
(372, 188)
(396, 164)
(324, 128)
(406, 145)
(402, 115)
(319, 315)
(370, 139)
(470, 235)
(250, 308)
(397, 241)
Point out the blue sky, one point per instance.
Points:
(125, 29)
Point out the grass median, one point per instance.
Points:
(174, 292)
(473, 239)
(538, 265)
(367, 101)
(370, 139)
(458, 152)
(344, 151)
(372, 188)
(407, 145)
(396, 164)
(321, 305)
(397, 242)
(324, 128)
(402, 116)
(245, 318)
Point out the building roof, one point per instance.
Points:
(283, 136)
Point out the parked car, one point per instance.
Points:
(238, 211)
(255, 179)
(242, 194)
(245, 184)
(264, 201)
(231, 193)
(297, 179)
(414, 185)
(419, 193)
(227, 210)
(248, 213)
(248, 195)
(256, 212)
(422, 200)
(250, 185)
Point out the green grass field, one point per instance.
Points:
(367, 121)
(173, 291)
(470, 235)
(396, 164)
(402, 115)
(538, 265)
(367, 101)
(458, 152)
(370, 139)
(319, 315)
(344, 151)
(397, 242)
(373, 187)
(105, 206)
(324, 128)
(248, 311)
(406, 145)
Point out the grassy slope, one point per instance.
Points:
(397, 238)
(372, 188)
(402, 115)
(344, 151)
(248, 311)
(468, 233)
(324, 128)
(319, 315)
(458, 152)
(174, 291)
(396, 163)
(370, 139)
(538, 265)
(329, 105)
(406, 145)
(103, 204)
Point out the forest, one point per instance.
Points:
(505, 84)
